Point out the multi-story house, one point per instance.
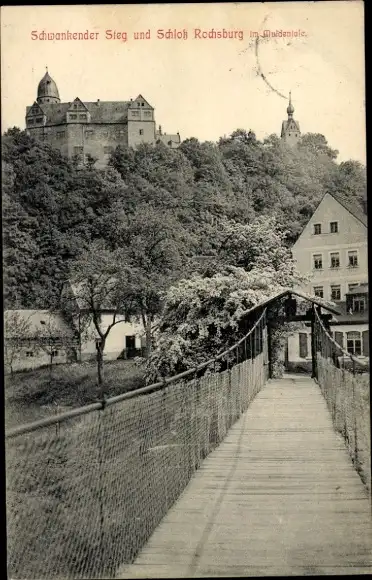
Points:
(333, 249)
(92, 129)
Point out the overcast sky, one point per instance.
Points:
(201, 88)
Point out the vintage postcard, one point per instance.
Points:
(186, 306)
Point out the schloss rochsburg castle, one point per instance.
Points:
(94, 129)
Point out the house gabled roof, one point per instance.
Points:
(81, 296)
(41, 323)
(351, 207)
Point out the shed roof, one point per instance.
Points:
(32, 323)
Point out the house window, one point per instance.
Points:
(318, 261)
(317, 229)
(335, 260)
(89, 134)
(352, 286)
(353, 259)
(29, 353)
(75, 106)
(354, 343)
(135, 113)
(39, 120)
(303, 346)
(73, 117)
(30, 121)
(318, 291)
(138, 104)
(55, 353)
(333, 227)
(336, 292)
(147, 113)
(142, 104)
(358, 304)
(78, 150)
(83, 116)
(141, 131)
(60, 134)
(108, 149)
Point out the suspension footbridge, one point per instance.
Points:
(222, 473)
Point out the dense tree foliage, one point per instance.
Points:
(161, 208)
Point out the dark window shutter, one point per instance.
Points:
(303, 344)
(339, 338)
(366, 343)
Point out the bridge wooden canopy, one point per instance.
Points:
(289, 292)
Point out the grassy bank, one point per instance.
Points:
(32, 395)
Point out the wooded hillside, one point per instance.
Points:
(162, 208)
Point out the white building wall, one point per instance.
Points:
(116, 340)
(31, 357)
(351, 235)
(294, 341)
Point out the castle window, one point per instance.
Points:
(335, 260)
(108, 149)
(317, 229)
(318, 261)
(335, 292)
(353, 258)
(141, 131)
(318, 291)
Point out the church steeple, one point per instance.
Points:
(47, 91)
(290, 128)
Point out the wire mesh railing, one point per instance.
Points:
(83, 499)
(344, 382)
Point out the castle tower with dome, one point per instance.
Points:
(290, 128)
(84, 129)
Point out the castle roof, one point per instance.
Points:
(47, 87)
(100, 111)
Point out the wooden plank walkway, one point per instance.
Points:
(278, 497)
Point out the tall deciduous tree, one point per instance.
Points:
(99, 285)
(154, 248)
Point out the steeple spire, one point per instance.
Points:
(290, 128)
(290, 108)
